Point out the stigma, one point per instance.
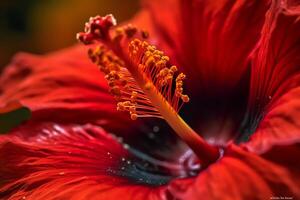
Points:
(141, 78)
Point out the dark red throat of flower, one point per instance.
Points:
(141, 78)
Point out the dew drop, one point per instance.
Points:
(120, 139)
(126, 146)
(61, 173)
(123, 159)
(155, 129)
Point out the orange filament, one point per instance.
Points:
(142, 80)
(153, 66)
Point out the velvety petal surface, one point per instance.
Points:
(61, 86)
(211, 41)
(275, 92)
(54, 161)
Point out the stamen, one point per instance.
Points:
(141, 78)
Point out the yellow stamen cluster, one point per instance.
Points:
(179, 88)
(122, 86)
(110, 65)
(153, 64)
(129, 106)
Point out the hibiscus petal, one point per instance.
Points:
(58, 85)
(52, 161)
(242, 175)
(202, 36)
(211, 41)
(275, 93)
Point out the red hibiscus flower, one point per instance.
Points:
(237, 76)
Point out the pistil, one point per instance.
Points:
(142, 80)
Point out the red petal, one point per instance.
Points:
(211, 39)
(241, 175)
(275, 91)
(51, 161)
(63, 86)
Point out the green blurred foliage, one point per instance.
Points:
(42, 26)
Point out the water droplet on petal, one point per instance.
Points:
(155, 129)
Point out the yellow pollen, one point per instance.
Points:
(152, 66)
(133, 116)
(148, 86)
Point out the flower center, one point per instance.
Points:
(141, 79)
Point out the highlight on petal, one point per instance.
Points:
(62, 86)
(274, 95)
(53, 161)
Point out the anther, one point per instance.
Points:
(148, 86)
(145, 34)
(133, 116)
(185, 98)
(130, 30)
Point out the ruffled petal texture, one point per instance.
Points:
(54, 161)
(242, 175)
(275, 93)
(62, 86)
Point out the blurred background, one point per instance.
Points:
(40, 26)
